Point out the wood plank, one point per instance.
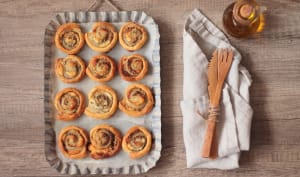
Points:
(272, 59)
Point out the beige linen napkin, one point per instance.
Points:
(200, 39)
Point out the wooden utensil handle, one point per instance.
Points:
(209, 136)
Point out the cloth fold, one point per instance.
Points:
(200, 38)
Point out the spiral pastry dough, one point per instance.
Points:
(69, 38)
(138, 100)
(133, 67)
(103, 102)
(102, 38)
(72, 142)
(101, 68)
(70, 69)
(105, 141)
(69, 104)
(132, 36)
(137, 142)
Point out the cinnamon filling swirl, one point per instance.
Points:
(101, 68)
(133, 68)
(138, 100)
(102, 102)
(70, 69)
(105, 141)
(69, 104)
(137, 142)
(72, 142)
(69, 38)
(133, 36)
(102, 38)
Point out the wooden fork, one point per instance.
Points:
(225, 58)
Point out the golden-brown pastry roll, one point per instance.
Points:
(69, 104)
(70, 69)
(137, 101)
(132, 36)
(137, 142)
(101, 68)
(105, 141)
(72, 142)
(102, 38)
(69, 38)
(133, 67)
(103, 102)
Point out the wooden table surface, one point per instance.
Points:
(273, 60)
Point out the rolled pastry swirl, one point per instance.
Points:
(102, 38)
(133, 67)
(70, 69)
(105, 141)
(138, 100)
(137, 142)
(103, 102)
(132, 36)
(69, 104)
(72, 142)
(101, 68)
(69, 38)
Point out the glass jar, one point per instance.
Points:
(244, 18)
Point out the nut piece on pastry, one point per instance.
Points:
(102, 38)
(72, 142)
(105, 141)
(69, 38)
(103, 102)
(137, 142)
(70, 69)
(133, 67)
(101, 68)
(132, 36)
(69, 104)
(138, 100)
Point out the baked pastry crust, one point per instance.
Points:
(138, 100)
(103, 102)
(132, 36)
(133, 67)
(102, 38)
(101, 68)
(137, 142)
(72, 142)
(105, 141)
(70, 69)
(69, 104)
(69, 38)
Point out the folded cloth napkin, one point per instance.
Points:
(200, 38)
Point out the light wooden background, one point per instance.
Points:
(273, 60)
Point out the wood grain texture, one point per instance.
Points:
(273, 60)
